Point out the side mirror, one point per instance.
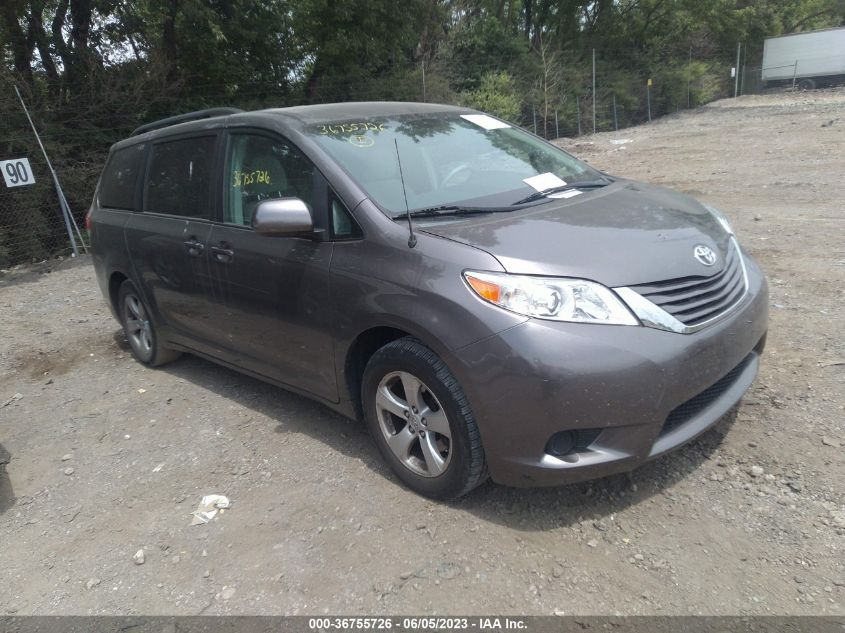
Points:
(283, 216)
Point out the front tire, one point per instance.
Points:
(421, 421)
(144, 342)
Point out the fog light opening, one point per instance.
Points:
(567, 444)
(561, 444)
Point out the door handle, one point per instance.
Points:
(223, 254)
(194, 247)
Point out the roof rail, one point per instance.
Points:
(184, 118)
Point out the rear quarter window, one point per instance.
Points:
(120, 178)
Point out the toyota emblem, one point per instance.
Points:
(704, 254)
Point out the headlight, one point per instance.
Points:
(720, 218)
(552, 298)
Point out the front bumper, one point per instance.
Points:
(648, 390)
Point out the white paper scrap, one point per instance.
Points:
(544, 181)
(487, 122)
(566, 194)
(208, 508)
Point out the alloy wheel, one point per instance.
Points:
(138, 327)
(414, 424)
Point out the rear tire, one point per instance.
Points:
(421, 421)
(807, 84)
(144, 342)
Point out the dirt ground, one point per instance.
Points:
(106, 458)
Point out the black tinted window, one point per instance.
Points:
(180, 177)
(120, 176)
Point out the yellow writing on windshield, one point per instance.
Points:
(244, 178)
(348, 128)
(359, 140)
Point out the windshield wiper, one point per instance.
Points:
(587, 184)
(454, 209)
(457, 209)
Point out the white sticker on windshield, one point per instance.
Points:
(544, 181)
(487, 122)
(566, 194)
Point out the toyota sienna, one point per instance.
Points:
(485, 302)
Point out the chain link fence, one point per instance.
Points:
(33, 228)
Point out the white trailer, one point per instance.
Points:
(809, 59)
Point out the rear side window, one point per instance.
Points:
(120, 177)
(179, 177)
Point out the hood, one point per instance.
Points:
(624, 234)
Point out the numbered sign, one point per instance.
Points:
(17, 172)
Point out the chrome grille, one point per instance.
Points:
(694, 300)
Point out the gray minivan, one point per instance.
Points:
(488, 304)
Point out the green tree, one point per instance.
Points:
(347, 45)
(496, 95)
(92, 70)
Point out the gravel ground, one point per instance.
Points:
(105, 458)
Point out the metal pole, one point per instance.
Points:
(648, 98)
(578, 108)
(59, 193)
(73, 220)
(594, 91)
(794, 74)
(423, 78)
(689, 79)
(557, 127)
(736, 82)
(534, 115)
(615, 118)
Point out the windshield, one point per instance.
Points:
(447, 159)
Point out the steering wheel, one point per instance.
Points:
(462, 168)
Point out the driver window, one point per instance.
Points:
(261, 168)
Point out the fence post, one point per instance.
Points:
(648, 97)
(615, 118)
(594, 91)
(736, 80)
(534, 116)
(689, 79)
(423, 79)
(557, 127)
(578, 109)
(794, 74)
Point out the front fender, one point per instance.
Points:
(381, 283)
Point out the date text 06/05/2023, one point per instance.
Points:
(415, 624)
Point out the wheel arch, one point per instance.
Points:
(368, 342)
(116, 279)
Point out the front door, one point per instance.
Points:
(272, 292)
